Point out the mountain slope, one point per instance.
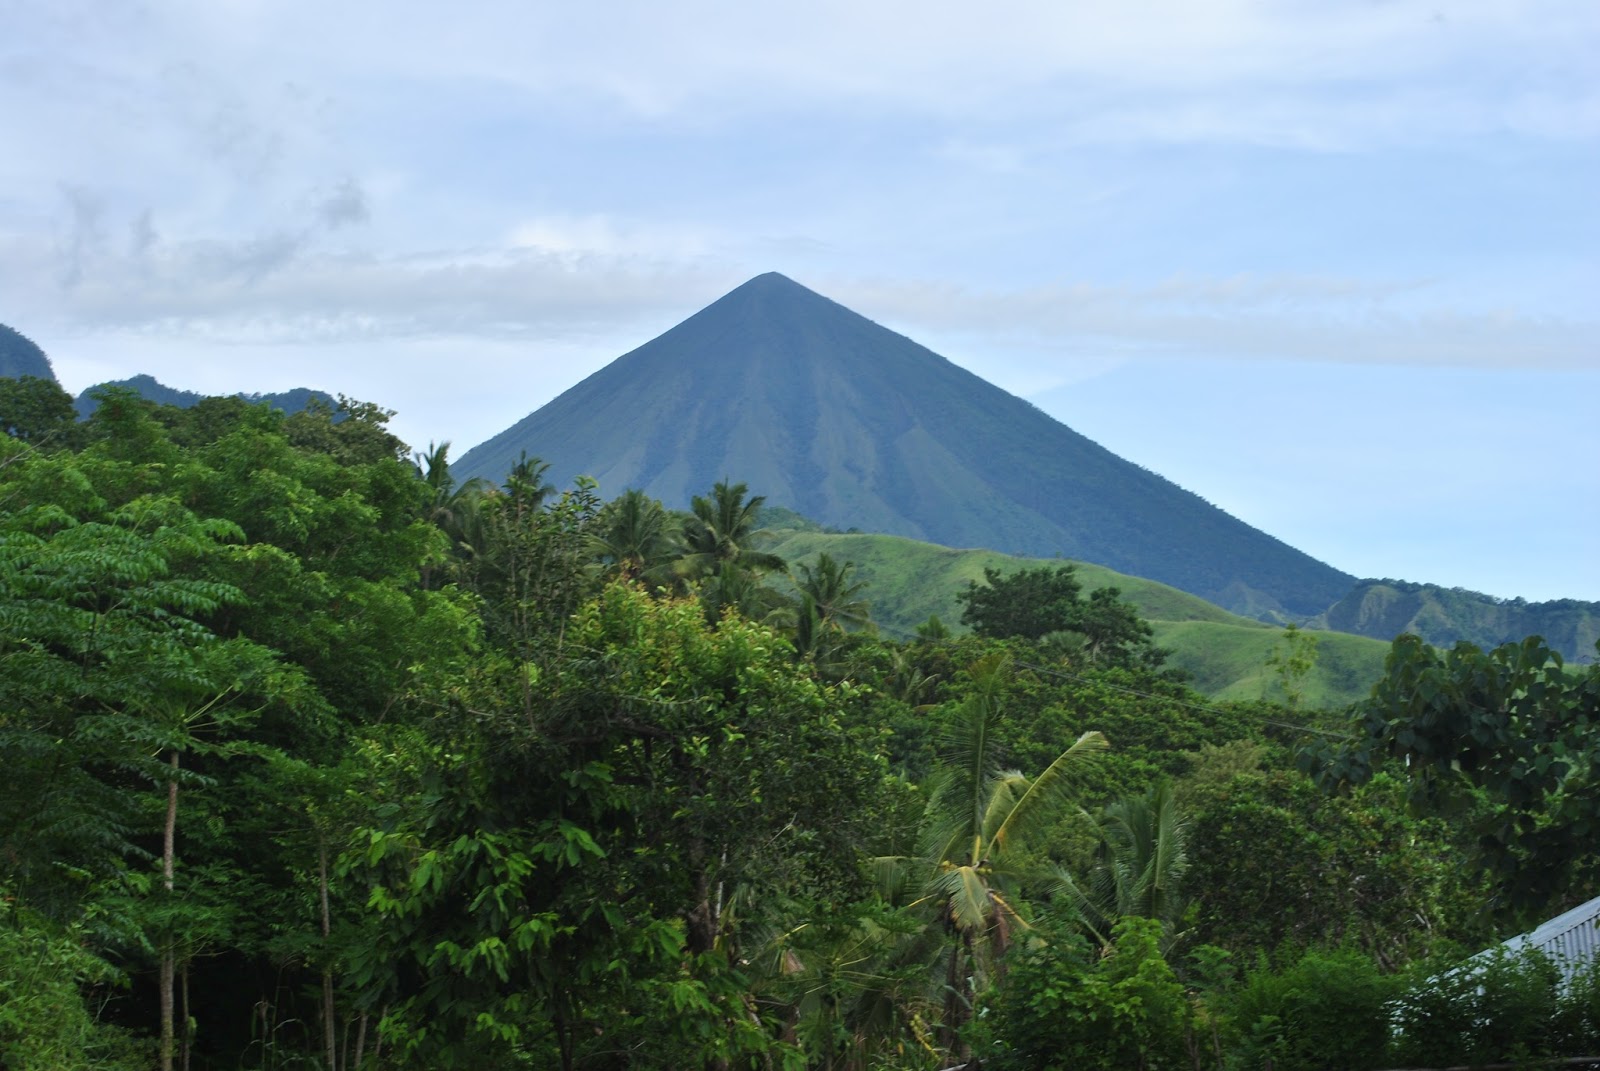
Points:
(1444, 616)
(21, 356)
(851, 424)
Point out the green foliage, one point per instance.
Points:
(1494, 1008)
(440, 797)
(1064, 1007)
(636, 539)
(1276, 862)
(1140, 863)
(45, 1023)
(1291, 663)
(1323, 1011)
(1511, 722)
(36, 410)
(1028, 603)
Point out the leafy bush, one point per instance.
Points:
(1327, 1011)
(45, 1023)
(1496, 1008)
(1063, 1006)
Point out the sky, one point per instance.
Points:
(1334, 265)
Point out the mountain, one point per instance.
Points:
(151, 389)
(1445, 616)
(21, 356)
(826, 412)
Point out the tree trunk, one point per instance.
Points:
(169, 940)
(957, 999)
(329, 1017)
(188, 1029)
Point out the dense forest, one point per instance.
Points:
(319, 758)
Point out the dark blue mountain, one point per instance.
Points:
(21, 356)
(151, 389)
(829, 414)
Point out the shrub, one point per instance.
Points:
(1063, 1006)
(1327, 1011)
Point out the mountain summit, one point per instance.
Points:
(852, 425)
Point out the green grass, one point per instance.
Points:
(1225, 654)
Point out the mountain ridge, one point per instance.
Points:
(854, 425)
(153, 390)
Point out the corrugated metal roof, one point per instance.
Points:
(1571, 939)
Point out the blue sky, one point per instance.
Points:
(1333, 266)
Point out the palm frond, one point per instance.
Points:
(965, 895)
(1048, 792)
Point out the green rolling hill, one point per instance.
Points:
(1224, 653)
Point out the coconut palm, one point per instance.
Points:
(452, 507)
(636, 539)
(720, 532)
(978, 825)
(1141, 862)
(834, 596)
(526, 485)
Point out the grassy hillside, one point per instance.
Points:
(1230, 662)
(1225, 654)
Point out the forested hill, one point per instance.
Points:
(151, 389)
(1443, 616)
(21, 356)
(856, 426)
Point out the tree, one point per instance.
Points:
(1113, 631)
(1291, 661)
(35, 410)
(980, 822)
(1045, 604)
(720, 532)
(833, 595)
(1512, 723)
(635, 538)
(594, 878)
(1140, 864)
(1028, 603)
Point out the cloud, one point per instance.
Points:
(1386, 70)
(566, 277)
(84, 237)
(344, 205)
(1278, 317)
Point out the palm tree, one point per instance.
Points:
(977, 827)
(526, 486)
(1142, 859)
(831, 593)
(453, 507)
(720, 531)
(636, 538)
